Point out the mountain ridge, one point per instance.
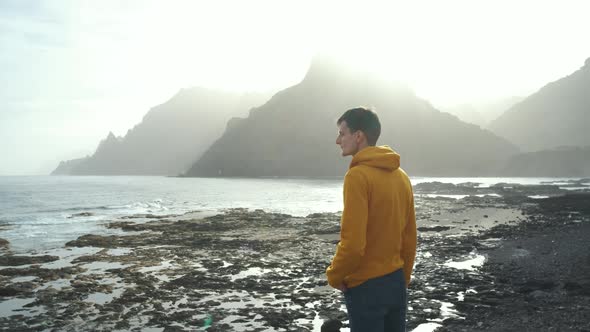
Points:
(553, 116)
(170, 137)
(294, 133)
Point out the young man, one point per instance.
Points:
(375, 256)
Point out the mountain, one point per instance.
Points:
(67, 167)
(170, 137)
(557, 115)
(294, 133)
(467, 113)
(561, 162)
(482, 113)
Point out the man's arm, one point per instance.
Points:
(353, 229)
(409, 241)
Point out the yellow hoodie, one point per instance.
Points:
(378, 225)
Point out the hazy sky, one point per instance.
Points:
(71, 71)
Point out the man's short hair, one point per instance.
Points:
(365, 120)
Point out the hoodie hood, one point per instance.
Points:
(377, 156)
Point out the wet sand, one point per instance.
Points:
(483, 264)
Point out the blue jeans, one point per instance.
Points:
(378, 305)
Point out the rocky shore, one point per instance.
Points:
(538, 278)
(500, 259)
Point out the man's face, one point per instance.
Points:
(348, 141)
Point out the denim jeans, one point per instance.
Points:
(378, 305)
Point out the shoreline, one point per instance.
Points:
(256, 271)
(540, 273)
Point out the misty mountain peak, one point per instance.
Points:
(302, 118)
(109, 143)
(324, 68)
(327, 73)
(111, 136)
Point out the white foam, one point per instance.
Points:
(427, 327)
(469, 264)
(538, 196)
(445, 196)
(461, 296)
(574, 188)
(484, 195)
(448, 310)
(252, 271)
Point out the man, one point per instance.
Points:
(375, 256)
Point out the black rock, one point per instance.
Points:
(331, 325)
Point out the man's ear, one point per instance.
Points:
(360, 137)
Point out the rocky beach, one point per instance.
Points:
(501, 258)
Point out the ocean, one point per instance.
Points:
(44, 212)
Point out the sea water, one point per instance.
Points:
(44, 212)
